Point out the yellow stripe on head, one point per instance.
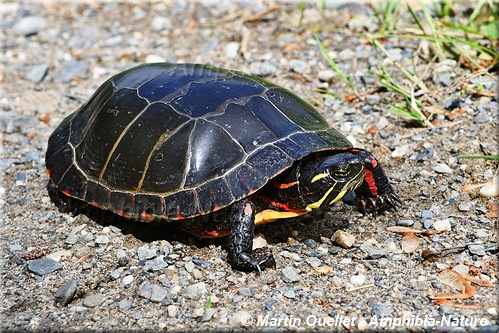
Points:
(319, 176)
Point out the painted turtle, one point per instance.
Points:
(216, 150)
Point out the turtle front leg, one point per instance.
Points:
(375, 193)
(241, 254)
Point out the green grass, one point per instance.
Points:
(484, 157)
(470, 40)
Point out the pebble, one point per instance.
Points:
(125, 304)
(43, 266)
(245, 291)
(289, 274)
(291, 255)
(145, 253)
(155, 264)
(159, 23)
(405, 223)
(29, 25)
(37, 73)
(358, 280)
(172, 310)
(481, 119)
(195, 290)
(442, 225)
(381, 310)
(327, 75)
(314, 262)
(442, 168)
(11, 122)
(74, 69)
(208, 314)
(232, 50)
(15, 247)
(66, 293)
(198, 312)
(289, 293)
(382, 123)
(426, 214)
(115, 274)
(92, 301)
(482, 233)
(153, 292)
(259, 241)
(477, 249)
(462, 269)
(262, 68)
(299, 66)
(189, 266)
(102, 239)
(400, 151)
(310, 243)
(428, 223)
(239, 318)
(465, 206)
(127, 280)
(491, 190)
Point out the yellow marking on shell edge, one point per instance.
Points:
(270, 215)
(319, 176)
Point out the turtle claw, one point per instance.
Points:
(379, 204)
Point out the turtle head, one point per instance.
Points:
(325, 179)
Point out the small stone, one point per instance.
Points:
(477, 249)
(153, 292)
(427, 224)
(405, 223)
(198, 313)
(66, 293)
(37, 73)
(314, 261)
(102, 239)
(289, 293)
(263, 68)
(374, 99)
(381, 310)
(189, 266)
(358, 280)
(245, 291)
(442, 225)
(232, 50)
(43, 266)
(482, 233)
(326, 75)
(127, 280)
(125, 304)
(196, 290)
(259, 241)
(155, 264)
(239, 318)
(92, 301)
(291, 255)
(481, 119)
(299, 66)
(159, 23)
(289, 274)
(29, 25)
(442, 168)
(172, 311)
(491, 190)
(382, 123)
(310, 243)
(208, 314)
(145, 253)
(15, 247)
(71, 239)
(465, 206)
(461, 269)
(343, 239)
(77, 69)
(426, 214)
(400, 151)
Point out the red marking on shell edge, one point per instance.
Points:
(179, 216)
(146, 216)
(212, 233)
(372, 184)
(120, 212)
(248, 210)
(374, 162)
(66, 192)
(95, 204)
(49, 170)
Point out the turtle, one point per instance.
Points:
(213, 150)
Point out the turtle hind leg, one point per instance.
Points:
(241, 254)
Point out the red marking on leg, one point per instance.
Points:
(248, 210)
(372, 184)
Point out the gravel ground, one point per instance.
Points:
(63, 273)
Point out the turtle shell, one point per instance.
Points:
(172, 141)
